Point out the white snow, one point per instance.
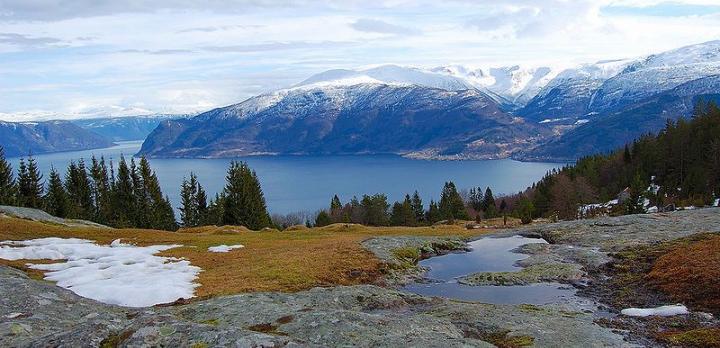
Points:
(716, 203)
(119, 274)
(662, 311)
(224, 248)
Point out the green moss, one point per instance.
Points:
(529, 308)
(407, 256)
(199, 345)
(213, 322)
(696, 338)
(503, 340)
(114, 339)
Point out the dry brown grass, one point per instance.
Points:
(690, 272)
(270, 261)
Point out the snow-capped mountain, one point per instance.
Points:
(658, 73)
(454, 111)
(350, 118)
(125, 128)
(515, 84)
(387, 74)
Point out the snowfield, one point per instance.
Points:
(662, 311)
(224, 248)
(119, 274)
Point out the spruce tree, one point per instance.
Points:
(123, 200)
(8, 187)
(244, 202)
(189, 203)
(101, 190)
(77, 185)
(56, 199)
(158, 212)
(433, 214)
(489, 204)
(417, 207)
(202, 205)
(322, 219)
(30, 187)
(402, 213)
(451, 204)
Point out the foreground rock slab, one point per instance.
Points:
(37, 313)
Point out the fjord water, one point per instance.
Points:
(489, 254)
(307, 183)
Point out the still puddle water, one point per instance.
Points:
(487, 255)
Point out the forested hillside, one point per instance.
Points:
(679, 166)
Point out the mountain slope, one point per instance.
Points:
(349, 119)
(617, 129)
(124, 128)
(23, 138)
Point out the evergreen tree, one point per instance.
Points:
(56, 200)
(635, 203)
(189, 214)
(244, 203)
(375, 210)
(476, 199)
(7, 181)
(335, 204)
(451, 203)
(202, 205)
(77, 185)
(215, 211)
(402, 214)
(123, 196)
(101, 190)
(159, 213)
(30, 187)
(525, 210)
(417, 207)
(489, 204)
(433, 214)
(322, 219)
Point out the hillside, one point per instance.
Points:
(23, 138)
(350, 116)
(124, 128)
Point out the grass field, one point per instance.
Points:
(271, 260)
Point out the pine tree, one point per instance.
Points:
(8, 187)
(101, 190)
(189, 215)
(77, 185)
(159, 213)
(30, 187)
(489, 204)
(244, 202)
(123, 200)
(322, 219)
(202, 205)
(417, 207)
(375, 210)
(433, 214)
(141, 212)
(56, 200)
(451, 204)
(402, 213)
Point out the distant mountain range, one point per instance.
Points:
(456, 112)
(23, 138)
(125, 128)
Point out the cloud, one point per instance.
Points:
(25, 41)
(210, 29)
(277, 46)
(382, 27)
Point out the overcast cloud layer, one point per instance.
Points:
(65, 59)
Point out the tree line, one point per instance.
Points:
(682, 163)
(374, 210)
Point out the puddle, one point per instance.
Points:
(487, 255)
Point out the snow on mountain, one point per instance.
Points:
(657, 73)
(388, 74)
(514, 83)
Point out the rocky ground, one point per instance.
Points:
(582, 253)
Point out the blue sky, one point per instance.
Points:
(69, 59)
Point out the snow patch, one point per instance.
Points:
(716, 203)
(119, 274)
(224, 248)
(662, 311)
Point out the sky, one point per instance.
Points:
(87, 58)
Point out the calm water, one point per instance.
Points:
(306, 183)
(487, 255)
